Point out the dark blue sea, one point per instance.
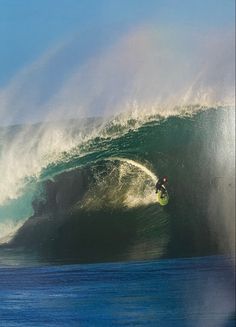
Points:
(174, 292)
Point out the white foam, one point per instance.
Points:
(138, 165)
(24, 157)
(8, 230)
(139, 192)
(129, 184)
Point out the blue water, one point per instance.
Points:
(175, 292)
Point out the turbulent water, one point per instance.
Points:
(84, 191)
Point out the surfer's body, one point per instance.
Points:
(160, 186)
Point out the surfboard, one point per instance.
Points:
(162, 200)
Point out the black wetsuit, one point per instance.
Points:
(160, 186)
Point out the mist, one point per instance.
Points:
(149, 69)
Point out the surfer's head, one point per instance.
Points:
(165, 179)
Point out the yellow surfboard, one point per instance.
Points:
(164, 199)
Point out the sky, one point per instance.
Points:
(50, 46)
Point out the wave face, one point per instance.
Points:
(85, 192)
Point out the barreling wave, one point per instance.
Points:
(84, 191)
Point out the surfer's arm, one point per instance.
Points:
(157, 187)
(160, 186)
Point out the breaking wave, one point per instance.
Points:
(84, 191)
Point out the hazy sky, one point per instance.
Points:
(44, 42)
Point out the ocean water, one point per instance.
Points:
(176, 292)
(83, 192)
(83, 241)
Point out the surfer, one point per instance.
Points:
(160, 186)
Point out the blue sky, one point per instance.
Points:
(29, 29)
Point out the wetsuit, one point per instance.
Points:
(160, 186)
